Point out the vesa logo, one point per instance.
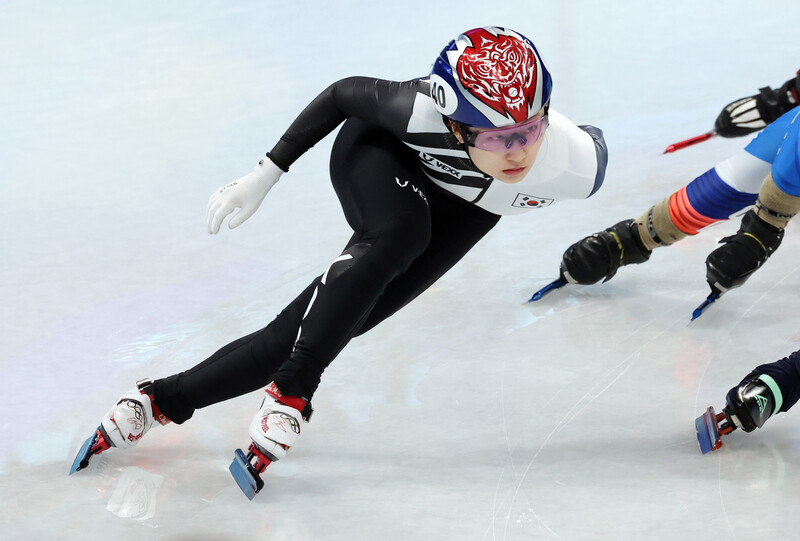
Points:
(436, 164)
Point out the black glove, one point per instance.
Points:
(747, 115)
(752, 402)
(600, 255)
(742, 254)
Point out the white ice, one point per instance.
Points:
(469, 415)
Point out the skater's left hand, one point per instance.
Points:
(245, 193)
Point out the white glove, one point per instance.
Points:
(245, 193)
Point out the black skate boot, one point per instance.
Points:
(599, 256)
(731, 264)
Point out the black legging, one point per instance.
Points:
(407, 234)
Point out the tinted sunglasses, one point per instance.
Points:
(503, 139)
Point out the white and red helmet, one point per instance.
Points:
(490, 77)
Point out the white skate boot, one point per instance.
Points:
(274, 429)
(128, 420)
(276, 426)
(124, 424)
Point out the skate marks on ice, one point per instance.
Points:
(503, 519)
(742, 315)
(530, 314)
(611, 377)
(767, 468)
(520, 500)
(744, 452)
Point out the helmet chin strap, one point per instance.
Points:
(462, 130)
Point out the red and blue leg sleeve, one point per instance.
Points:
(733, 185)
(707, 199)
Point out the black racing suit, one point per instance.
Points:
(407, 232)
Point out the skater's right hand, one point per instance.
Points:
(245, 193)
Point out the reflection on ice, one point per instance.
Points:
(134, 496)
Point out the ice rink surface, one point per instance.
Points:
(470, 415)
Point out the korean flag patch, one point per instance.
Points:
(531, 201)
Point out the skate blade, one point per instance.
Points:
(85, 452)
(704, 305)
(555, 284)
(244, 475)
(708, 435)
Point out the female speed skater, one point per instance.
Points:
(423, 169)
